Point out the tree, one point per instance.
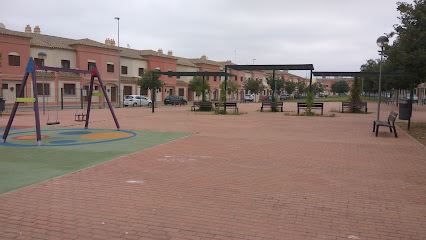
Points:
(340, 87)
(146, 81)
(198, 85)
(301, 87)
(317, 88)
(279, 84)
(408, 52)
(231, 86)
(289, 86)
(253, 85)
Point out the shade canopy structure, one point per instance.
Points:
(359, 74)
(180, 74)
(271, 67)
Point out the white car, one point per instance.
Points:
(137, 100)
(249, 97)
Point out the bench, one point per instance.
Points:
(228, 105)
(272, 105)
(303, 105)
(353, 105)
(390, 123)
(199, 105)
(80, 117)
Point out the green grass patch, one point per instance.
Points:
(417, 131)
(23, 166)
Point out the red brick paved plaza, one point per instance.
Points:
(251, 176)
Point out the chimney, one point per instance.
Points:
(108, 42)
(37, 29)
(170, 53)
(160, 51)
(204, 57)
(28, 29)
(112, 42)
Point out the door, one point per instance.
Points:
(113, 94)
(18, 87)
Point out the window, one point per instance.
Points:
(241, 78)
(65, 64)
(4, 86)
(90, 65)
(40, 89)
(177, 77)
(181, 92)
(236, 78)
(96, 88)
(123, 69)
(127, 90)
(170, 70)
(38, 62)
(69, 89)
(14, 59)
(215, 78)
(141, 72)
(110, 68)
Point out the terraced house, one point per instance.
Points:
(17, 47)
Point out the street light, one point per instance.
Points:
(363, 68)
(381, 42)
(119, 67)
(42, 56)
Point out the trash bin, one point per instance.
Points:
(404, 111)
(2, 105)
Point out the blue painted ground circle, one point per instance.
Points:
(63, 141)
(75, 133)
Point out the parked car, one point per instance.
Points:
(169, 99)
(136, 100)
(265, 98)
(298, 96)
(285, 96)
(249, 97)
(406, 97)
(321, 95)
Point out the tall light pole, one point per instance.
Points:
(119, 66)
(381, 42)
(42, 56)
(363, 68)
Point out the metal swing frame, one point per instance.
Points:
(32, 69)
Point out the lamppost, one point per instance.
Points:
(42, 56)
(363, 68)
(153, 88)
(119, 67)
(381, 42)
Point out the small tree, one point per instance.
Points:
(355, 94)
(289, 86)
(146, 81)
(317, 88)
(340, 87)
(231, 86)
(253, 85)
(278, 85)
(198, 85)
(301, 87)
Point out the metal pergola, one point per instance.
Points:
(372, 74)
(272, 68)
(181, 74)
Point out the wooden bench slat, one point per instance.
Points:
(390, 123)
(303, 105)
(271, 105)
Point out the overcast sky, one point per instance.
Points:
(334, 35)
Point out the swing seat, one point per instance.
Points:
(52, 123)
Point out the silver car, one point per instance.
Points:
(136, 100)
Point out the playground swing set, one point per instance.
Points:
(80, 117)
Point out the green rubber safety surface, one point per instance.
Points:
(66, 150)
